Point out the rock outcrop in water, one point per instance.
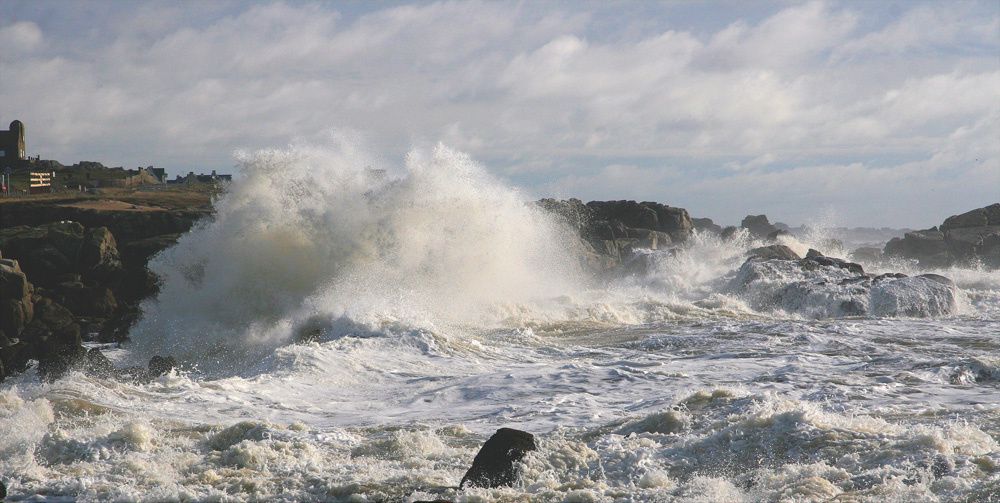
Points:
(825, 287)
(496, 463)
(611, 230)
(759, 227)
(971, 237)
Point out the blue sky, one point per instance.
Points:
(874, 113)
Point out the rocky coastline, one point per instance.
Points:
(75, 271)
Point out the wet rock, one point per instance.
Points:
(97, 301)
(53, 338)
(3, 490)
(989, 215)
(773, 236)
(774, 252)
(813, 253)
(16, 307)
(917, 296)
(824, 287)
(836, 262)
(971, 237)
(645, 215)
(98, 364)
(160, 365)
(495, 464)
(758, 226)
(729, 232)
(706, 225)
(98, 256)
(866, 254)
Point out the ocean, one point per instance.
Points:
(350, 330)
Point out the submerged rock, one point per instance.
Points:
(495, 464)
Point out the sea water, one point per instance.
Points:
(353, 331)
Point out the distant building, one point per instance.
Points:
(12, 149)
(193, 178)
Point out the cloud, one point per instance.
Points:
(552, 97)
(19, 37)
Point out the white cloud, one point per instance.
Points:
(810, 93)
(19, 37)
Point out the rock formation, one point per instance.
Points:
(759, 227)
(971, 237)
(62, 283)
(822, 287)
(496, 463)
(611, 230)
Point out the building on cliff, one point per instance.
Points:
(12, 151)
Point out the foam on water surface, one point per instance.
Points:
(352, 334)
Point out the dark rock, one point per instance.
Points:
(774, 252)
(95, 301)
(836, 262)
(926, 246)
(53, 338)
(160, 365)
(16, 307)
(137, 252)
(494, 465)
(645, 215)
(98, 256)
(813, 253)
(98, 364)
(866, 254)
(773, 236)
(888, 275)
(3, 490)
(938, 278)
(990, 215)
(706, 225)
(758, 226)
(729, 232)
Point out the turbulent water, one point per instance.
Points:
(354, 331)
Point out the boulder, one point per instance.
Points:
(774, 252)
(916, 296)
(758, 226)
(822, 287)
(836, 262)
(927, 247)
(969, 243)
(866, 254)
(53, 338)
(160, 365)
(813, 253)
(773, 236)
(495, 464)
(99, 365)
(989, 215)
(645, 215)
(971, 237)
(95, 301)
(98, 256)
(706, 225)
(16, 307)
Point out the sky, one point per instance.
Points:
(850, 113)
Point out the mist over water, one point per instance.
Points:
(352, 331)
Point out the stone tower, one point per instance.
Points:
(12, 144)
